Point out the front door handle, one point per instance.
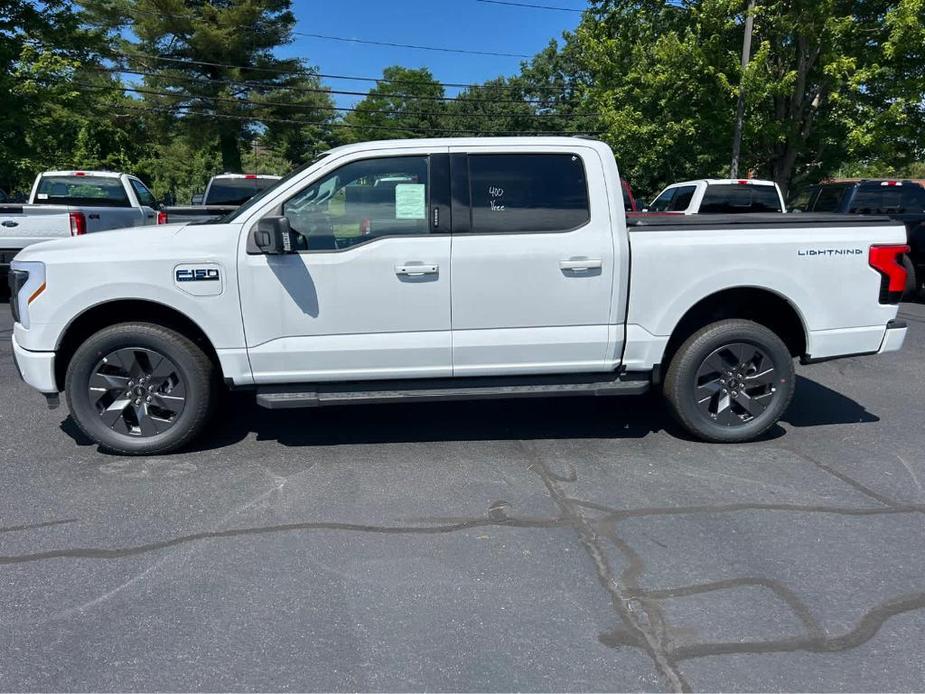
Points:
(417, 269)
(581, 264)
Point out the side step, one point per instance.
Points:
(445, 389)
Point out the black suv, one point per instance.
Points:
(901, 199)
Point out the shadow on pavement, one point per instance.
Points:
(815, 405)
(491, 420)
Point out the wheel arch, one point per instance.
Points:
(759, 304)
(117, 311)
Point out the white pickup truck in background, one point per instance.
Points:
(719, 196)
(224, 194)
(427, 270)
(73, 203)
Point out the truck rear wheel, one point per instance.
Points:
(730, 381)
(140, 388)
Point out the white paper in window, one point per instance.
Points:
(411, 201)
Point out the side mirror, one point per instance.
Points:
(273, 236)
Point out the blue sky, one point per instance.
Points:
(444, 23)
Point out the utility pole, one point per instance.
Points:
(740, 108)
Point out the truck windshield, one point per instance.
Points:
(91, 191)
(236, 191)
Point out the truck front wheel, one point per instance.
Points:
(140, 388)
(730, 381)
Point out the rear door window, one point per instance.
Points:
(528, 192)
(735, 198)
(663, 202)
(89, 191)
(682, 198)
(145, 196)
(830, 198)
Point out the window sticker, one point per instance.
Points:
(42, 196)
(411, 201)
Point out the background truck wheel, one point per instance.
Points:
(140, 389)
(730, 381)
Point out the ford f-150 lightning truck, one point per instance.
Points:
(443, 269)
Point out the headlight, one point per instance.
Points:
(27, 282)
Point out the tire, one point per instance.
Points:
(740, 353)
(140, 389)
(912, 284)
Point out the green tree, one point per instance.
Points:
(405, 103)
(41, 49)
(183, 48)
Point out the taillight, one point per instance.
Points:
(887, 260)
(162, 217)
(78, 224)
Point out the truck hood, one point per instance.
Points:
(130, 242)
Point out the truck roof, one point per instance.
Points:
(469, 142)
(725, 181)
(84, 172)
(247, 175)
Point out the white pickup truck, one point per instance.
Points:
(719, 196)
(73, 203)
(429, 270)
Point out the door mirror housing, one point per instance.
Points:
(273, 236)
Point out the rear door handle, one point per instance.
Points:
(581, 264)
(417, 269)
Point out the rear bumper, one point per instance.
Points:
(36, 368)
(894, 338)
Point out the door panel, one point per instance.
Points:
(369, 298)
(532, 302)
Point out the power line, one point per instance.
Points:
(378, 80)
(312, 90)
(530, 6)
(408, 45)
(306, 107)
(322, 124)
(388, 44)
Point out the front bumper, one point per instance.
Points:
(894, 337)
(36, 368)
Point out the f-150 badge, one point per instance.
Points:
(201, 279)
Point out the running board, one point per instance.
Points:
(446, 389)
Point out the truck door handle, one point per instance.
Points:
(581, 264)
(417, 269)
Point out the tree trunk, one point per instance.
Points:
(231, 150)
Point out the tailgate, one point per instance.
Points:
(23, 225)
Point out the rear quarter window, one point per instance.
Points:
(89, 191)
(528, 192)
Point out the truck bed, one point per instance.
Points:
(676, 222)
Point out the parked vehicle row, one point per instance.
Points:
(334, 287)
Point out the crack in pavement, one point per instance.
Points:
(639, 610)
(646, 625)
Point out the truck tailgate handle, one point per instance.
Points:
(581, 264)
(417, 269)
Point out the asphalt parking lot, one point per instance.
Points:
(525, 545)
